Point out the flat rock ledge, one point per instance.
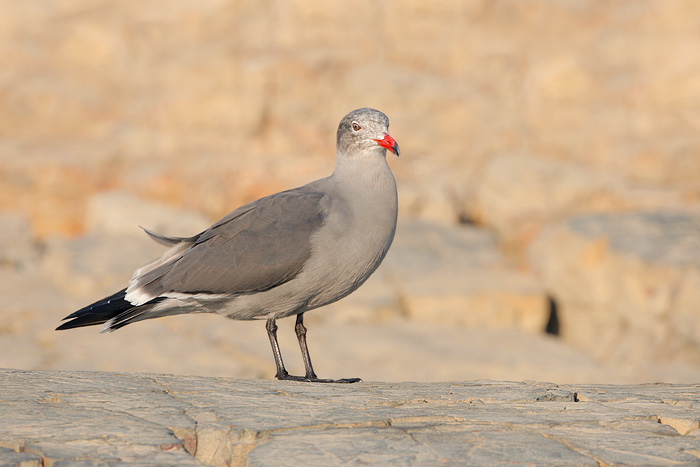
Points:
(50, 418)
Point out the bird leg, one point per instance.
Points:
(300, 329)
(271, 328)
(282, 373)
(310, 374)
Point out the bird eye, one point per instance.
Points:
(356, 126)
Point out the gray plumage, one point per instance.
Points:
(242, 253)
(278, 256)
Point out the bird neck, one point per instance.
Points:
(366, 177)
(362, 169)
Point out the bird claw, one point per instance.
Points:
(314, 379)
(343, 380)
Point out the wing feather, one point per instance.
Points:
(256, 247)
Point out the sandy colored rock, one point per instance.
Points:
(531, 112)
(18, 249)
(457, 276)
(624, 283)
(95, 264)
(121, 213)
(685, 325)
(221, 87)
(519, 194)
(115, 246)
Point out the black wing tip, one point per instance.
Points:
(97, 313)
(78, 323)
(68, 325)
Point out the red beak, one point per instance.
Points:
(389, 143)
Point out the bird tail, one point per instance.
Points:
(112, 312)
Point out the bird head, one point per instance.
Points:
(365, 130)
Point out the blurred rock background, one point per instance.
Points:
(549, 181)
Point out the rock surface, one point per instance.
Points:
(519, 194)
(453, 275)
(76, 418)
(626, 284)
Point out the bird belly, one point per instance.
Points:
(353, 259)
(324, 279)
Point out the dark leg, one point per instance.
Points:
(271, 327)
(301, 335)
(282, 373)
(310, 374)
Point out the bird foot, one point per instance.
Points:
(314, 379)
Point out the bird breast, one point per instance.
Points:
(357, 233)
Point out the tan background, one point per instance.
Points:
(550, 149)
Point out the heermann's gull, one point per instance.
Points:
(281, 255)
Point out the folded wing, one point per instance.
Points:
(254, 248)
